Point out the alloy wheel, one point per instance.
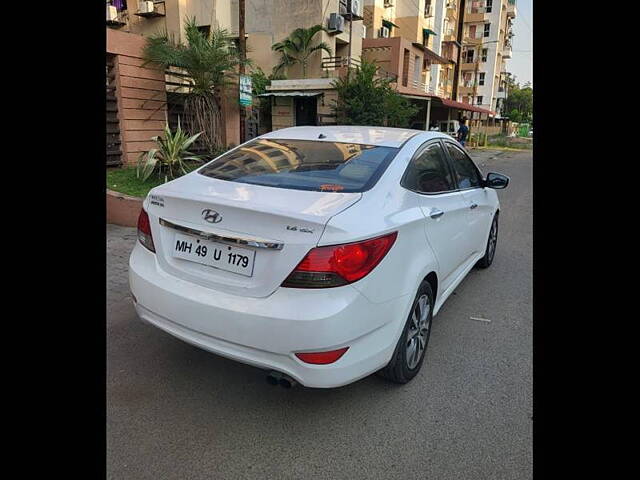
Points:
(493, 239)
(418, 331)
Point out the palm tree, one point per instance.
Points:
(210, 62)
(297, 48)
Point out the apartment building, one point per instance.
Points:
(445, 14)
(149, 17)
(305, 100)
(400, 37)
(486, 46)
(296, 101)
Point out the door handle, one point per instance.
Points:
(473, 205)
(436, 213)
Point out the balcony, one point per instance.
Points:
(445, 88)
(151, 9)
(451, 11)
(466, 66)
(511, 9)
(465, 91)
(116, 18)
(337, 67)
(476, 39)
(332, 63)
(477, 14)
(450, 52)
(449, 35)
(506, 51)
(501, 93)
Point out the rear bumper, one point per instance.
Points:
(266, 332)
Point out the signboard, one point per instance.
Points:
(245, 90)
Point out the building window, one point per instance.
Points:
(488, 5)
(479, 100)
(469, 56)
(487, 29)
(205, 29)
(416, 71)
(481, 80)
(405, 68)
(484, 54)
(427, 9)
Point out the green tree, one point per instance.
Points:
(298, 47)
(519, 103)
(259, 83)
(210, 63)
(364, 98)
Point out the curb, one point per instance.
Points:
(123, 209)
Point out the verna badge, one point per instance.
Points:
(211, 216)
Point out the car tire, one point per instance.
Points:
(492, 241)
(410, 350)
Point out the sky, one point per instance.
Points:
(520, 64)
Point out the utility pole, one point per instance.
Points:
(242, 43)
(350, 42)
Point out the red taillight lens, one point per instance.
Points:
(144, 231)
(322, 358)
(339, 265)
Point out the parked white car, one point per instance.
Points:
(319, 254)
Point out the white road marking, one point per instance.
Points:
(480, 319)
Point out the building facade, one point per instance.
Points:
(400, 36)
(418, 43)
(445, 14)
(305, 99)
(486, 46)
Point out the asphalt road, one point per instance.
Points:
(177, 412)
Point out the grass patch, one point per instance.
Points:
(503, 142)
(125, 180)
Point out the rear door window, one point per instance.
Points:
(303, 165)
(467, 174)
(428, 172)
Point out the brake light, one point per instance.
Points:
(338, 265)
(322, 358)
(144, 231)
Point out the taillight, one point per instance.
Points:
(144, 231)
(338, 265)
(322, 358)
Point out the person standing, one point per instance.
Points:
(463, 131)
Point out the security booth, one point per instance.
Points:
(301, 102)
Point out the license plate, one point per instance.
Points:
(214, 254)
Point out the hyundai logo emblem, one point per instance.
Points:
(211, 216)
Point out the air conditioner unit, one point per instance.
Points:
(384, 32)
(145, 7)
(354, 7)
(336, 23)
(112, 13)
(388, 3)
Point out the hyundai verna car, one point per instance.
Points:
(319, 254)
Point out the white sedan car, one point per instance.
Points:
(319, 254)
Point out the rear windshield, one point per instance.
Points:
(303, 165)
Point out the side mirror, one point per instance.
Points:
(496, 180)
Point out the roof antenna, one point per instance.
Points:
(322, 135)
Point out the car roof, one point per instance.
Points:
(379, 136)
